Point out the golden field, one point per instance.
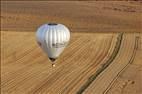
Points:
(104, 55)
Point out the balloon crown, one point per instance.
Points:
(52, 24)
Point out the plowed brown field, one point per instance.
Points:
(26, 69)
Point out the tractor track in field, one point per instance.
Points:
(130, 61)
(112, 69)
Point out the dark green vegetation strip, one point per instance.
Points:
(104, 66)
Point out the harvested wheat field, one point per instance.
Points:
(104, 55)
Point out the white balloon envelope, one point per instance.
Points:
(53, 38)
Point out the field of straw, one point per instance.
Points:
(104, 55)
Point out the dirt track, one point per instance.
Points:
(26, 69)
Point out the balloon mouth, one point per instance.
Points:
(39, 43)
(52, 59)
(52, 24)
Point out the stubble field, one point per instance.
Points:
(104, 55)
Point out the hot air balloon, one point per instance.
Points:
(53, 38)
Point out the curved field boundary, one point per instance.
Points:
(130, 61)
(101, 83)
(104, 66)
